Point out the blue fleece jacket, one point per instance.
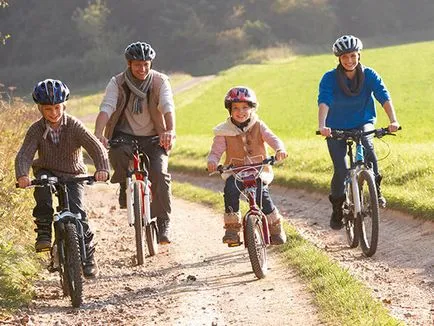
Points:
(346, 112)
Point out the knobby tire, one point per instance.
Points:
(138, 223)
(369, 221)
(352, 228)
(72, 265)
(152, 238)
(256, 245)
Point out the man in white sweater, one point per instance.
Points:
(138, 104)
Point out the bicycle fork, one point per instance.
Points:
(146, 207)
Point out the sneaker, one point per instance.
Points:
(42, 245)
(231, 236)
(90, 269)
(122, 196)
(163, 232)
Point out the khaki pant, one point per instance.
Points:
(120, 157)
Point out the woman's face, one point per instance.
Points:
(140, 68)
(350, 60)
(241, 111)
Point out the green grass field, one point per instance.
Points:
(287, 93)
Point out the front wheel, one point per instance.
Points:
(72, 278)
(138, 223)
(256, 245)
(351, 224)
(369, 217)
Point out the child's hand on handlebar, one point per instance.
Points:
(281, 155)
(212, 166)
(24, 181)
(101, 175)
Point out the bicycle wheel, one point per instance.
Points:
(369, 219)
(256, 245)
(138, 224)
(351, 224)
(72, 276)
(152, 238)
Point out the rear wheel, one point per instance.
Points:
(138, 223)
(152, 238)
(369, 219)
(351, 227)
(72, 279)
(256, 245)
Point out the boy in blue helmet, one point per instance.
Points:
(57, 138)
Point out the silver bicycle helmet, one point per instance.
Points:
(347, 44)
(139, 51)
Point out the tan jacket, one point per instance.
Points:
(156, 116)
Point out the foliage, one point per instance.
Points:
(18, 264)
(198, 37)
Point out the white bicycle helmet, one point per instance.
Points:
(347, 44)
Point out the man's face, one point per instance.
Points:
(350, 60)
(140, 68)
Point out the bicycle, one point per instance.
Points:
(139, 198)
(68, 253)
(256, 234)
(361, 213)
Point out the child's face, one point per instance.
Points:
(241, 111)
(52, 113)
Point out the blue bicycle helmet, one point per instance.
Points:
(139, 51)
(50, 91)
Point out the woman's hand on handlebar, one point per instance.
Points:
(101, 175)
(24, 181)
(393, 126)
(325, 131)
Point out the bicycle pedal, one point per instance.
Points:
(44, 249)
(236, 244)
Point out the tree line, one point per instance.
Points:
(82, 41)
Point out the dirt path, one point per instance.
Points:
(401, 273)
(196, 280)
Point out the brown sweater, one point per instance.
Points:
(64, 158)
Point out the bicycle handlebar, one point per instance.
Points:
(228, 168)
(133, 142)
(44, 180)
(345, 134)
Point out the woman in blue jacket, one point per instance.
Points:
(346, 101)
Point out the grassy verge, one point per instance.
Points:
(341, 299)
(18, 262)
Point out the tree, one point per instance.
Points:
(3, 38)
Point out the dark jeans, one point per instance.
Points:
(232, 196)
(120, 157)
(338, 150)
(44, 201)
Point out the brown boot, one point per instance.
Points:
(277, 234)
(233, 227)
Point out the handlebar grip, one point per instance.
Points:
(317, 132)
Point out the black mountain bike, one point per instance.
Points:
(68, 252)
